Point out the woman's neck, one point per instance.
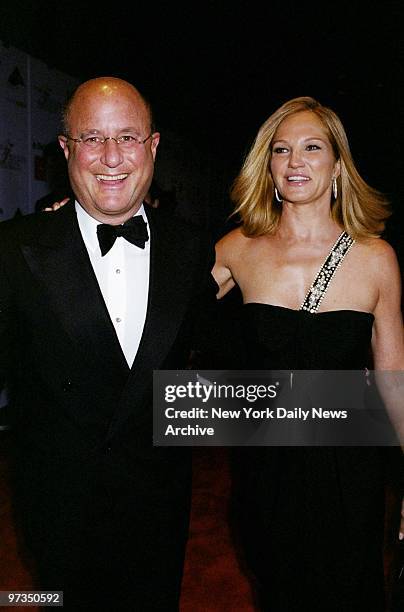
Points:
(307, 222)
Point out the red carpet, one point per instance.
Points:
(212, 580)
(14, 572)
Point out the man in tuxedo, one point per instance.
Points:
(89, 306)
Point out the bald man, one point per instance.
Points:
(93, 298)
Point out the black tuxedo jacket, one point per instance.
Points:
(82, 417)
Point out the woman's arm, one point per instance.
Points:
(388, 342)
(388, 334)
(222, 269)
(388, 331)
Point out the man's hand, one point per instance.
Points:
(401, 534)
(57, 205)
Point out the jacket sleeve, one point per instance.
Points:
(216, 340)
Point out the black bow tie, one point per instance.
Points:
(134, 231)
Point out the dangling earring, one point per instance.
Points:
(278, 199)
(334, 188)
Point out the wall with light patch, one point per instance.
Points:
(31, 98)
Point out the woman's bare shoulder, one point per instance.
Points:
(377, 249)
(232, 242)
(231, 237)
(379, 257)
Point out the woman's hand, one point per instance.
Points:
(401, 534)
(57, 205)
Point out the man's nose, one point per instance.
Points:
(111, 154)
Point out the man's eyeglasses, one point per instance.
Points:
(95, 141)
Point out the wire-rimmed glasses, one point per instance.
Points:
(96, 141)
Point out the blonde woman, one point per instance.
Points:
(321, 290)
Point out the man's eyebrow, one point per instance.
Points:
(97, 131)
(129, 129)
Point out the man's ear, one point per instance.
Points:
(154, 143)
(63, 143)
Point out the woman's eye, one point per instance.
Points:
(280, 150)
(313, 147)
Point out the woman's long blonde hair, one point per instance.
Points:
(358, 208)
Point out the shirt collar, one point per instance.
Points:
(88, 225)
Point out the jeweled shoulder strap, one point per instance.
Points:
(319, 287)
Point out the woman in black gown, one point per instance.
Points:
(311, 518)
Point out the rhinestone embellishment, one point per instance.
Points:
(318, 289)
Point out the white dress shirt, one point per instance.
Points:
(123, 277)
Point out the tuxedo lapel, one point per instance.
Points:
(171, 277)
(58, 259)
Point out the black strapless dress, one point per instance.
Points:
(310, 519)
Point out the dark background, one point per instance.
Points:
(214, 71)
